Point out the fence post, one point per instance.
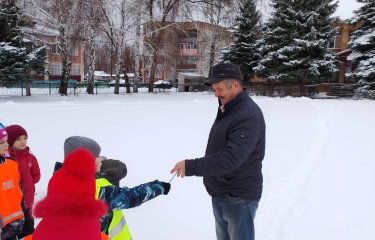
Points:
(96, 88)
(21, 88)
(49, 86)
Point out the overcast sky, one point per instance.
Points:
(346, 8)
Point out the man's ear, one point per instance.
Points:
(237, 84)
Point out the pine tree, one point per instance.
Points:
(19, 57)
(12, 66)
(362, 44)
(243, 51)
(9, 18)
(295, 42)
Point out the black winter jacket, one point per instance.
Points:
(232, 164)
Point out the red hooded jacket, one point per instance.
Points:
(30, 173)
(70, 210)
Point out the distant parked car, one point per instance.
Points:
(163, 84)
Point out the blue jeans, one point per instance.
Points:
(234, 218)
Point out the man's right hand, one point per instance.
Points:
(179, 168)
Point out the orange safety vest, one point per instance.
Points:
(104, 236)
(10, 192)
(28, 237)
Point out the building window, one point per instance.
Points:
(55, 68)
(332, 43)
(76, 69)
(188, 61)
(157, 74)
(183, 46)
(348, 68)
(187, 71)
(55, 49)
(188, 49)
(74, 51)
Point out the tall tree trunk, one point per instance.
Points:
(127, 84)
(152, 73)
(28, 86)
(212, 53)
(137, 52)
(91, 70)
(111, 60)
(66, 63)
(120, 49)
(119, 66)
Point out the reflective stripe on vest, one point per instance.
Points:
(10, 192)
(118, 229)
(12, 216)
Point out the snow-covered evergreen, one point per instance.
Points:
(362, 44)
(19, 57)
(9, 19)
(243, 50)
(294, 47)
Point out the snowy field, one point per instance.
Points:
(319, 169)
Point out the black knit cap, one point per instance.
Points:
(113, 170)
(224, 71)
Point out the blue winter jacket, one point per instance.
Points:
(232, 164)
(118, 198)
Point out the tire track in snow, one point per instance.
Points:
(302, 174)
(286, 185)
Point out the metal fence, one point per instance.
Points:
(74, 88)
(46, 88)
(271, 90)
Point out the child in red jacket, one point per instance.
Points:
(70, 211)
(29, 171)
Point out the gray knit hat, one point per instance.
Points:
(113, 170)
(73, 143)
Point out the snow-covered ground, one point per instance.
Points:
(319, 180)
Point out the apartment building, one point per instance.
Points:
(185, 48)
(49, 37)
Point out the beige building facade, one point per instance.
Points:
(185, 48)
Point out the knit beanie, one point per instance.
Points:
(14, 132)
(3, 133)
(113, 170)
(73, 143)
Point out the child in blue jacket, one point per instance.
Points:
(119, 198)
(109, 173)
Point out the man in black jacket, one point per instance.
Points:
(232, 165)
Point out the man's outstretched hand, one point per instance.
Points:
(179, 168)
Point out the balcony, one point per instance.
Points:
(186, 66)
(188, 52)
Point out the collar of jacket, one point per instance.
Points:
(232, 104)
(15, 152)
